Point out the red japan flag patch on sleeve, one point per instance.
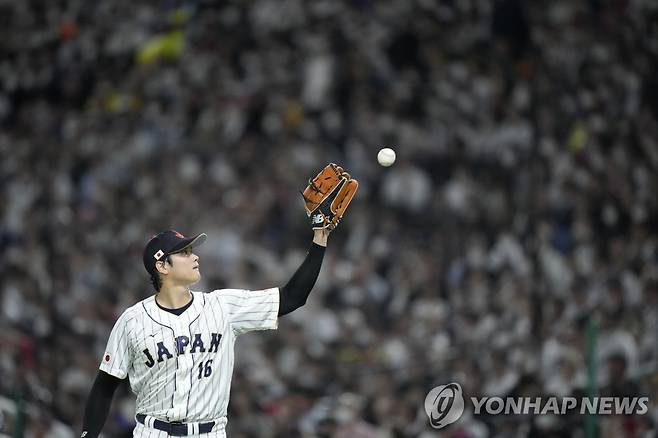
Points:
(107, 358)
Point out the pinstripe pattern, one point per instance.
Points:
(180, 367)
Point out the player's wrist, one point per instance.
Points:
(320, 237)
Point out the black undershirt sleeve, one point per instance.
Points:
(294, 294)
(98, 404)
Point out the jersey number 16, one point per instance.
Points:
(205, 371)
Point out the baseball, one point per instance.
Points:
(386, 157)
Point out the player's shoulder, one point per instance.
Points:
(137, 309)
(242, 293)
(218, 294)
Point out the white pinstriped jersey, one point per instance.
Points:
(180, 367)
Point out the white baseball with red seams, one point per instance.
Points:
(180, 367)
(386, 157)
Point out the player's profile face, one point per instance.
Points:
(185, 267)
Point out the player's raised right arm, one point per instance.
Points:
(98, 404)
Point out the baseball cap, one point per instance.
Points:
(165, 243)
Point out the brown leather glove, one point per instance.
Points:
(328, 195)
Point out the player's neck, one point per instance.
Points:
(173, 297)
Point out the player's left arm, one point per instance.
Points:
(326, 198)
(294, 294)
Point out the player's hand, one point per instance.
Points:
(327, 196)
(320, 236)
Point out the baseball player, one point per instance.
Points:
(176, 347)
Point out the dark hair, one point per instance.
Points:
(156, 281)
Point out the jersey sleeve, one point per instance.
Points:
(117, 357)
(248, 310)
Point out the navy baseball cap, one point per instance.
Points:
(165, 243)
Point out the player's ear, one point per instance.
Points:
(161, 266)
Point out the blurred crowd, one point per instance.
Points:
(518, 225)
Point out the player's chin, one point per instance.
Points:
(196, 276)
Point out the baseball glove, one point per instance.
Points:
(328, 195)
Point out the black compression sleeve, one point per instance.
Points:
(98, 404)
(294, 294)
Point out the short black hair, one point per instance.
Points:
(156, 280)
